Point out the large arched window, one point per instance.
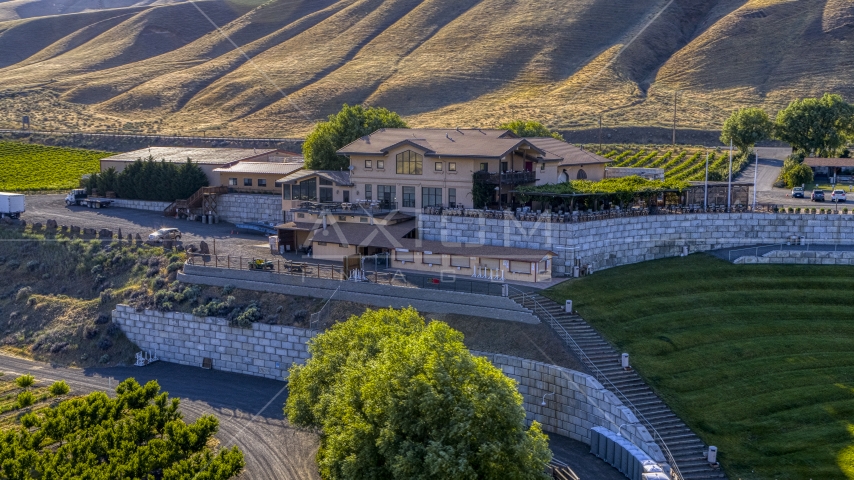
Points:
(409, 163)
(582, 175)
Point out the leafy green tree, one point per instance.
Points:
(396, 398)
(794, 173)
(529, 129)
(25, 399)
(745, 127)
(25, 381)
(341, 129)
(816, 125)
(139, 434)
(152, 180)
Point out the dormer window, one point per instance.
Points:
(409, 163)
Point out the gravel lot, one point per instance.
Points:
(41, 208)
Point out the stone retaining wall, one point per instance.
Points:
(579, 402)
(264, 350)
(139, 204)
(621, 241)
(244, 207)
(796, 257)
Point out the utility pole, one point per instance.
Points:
(755, 177)
(729, 183)
(675, 93)
(706, 189)
(600, 133)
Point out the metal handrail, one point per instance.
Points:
(602, 378)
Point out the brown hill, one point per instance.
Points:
(277, 67)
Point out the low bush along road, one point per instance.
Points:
(41, 208)
(249, 409)
(756, 359)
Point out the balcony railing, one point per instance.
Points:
(361, 207)
(506, 178)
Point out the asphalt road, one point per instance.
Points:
(250, 415)
(40, 208)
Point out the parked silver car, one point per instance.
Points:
(165, 234)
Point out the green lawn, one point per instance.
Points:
(25, 166)
(757, 359)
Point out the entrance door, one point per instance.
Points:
(529, 166)
(346, 196)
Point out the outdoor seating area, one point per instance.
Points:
(527, 215)
(355, 207)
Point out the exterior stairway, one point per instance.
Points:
(195, 201)
(685, 449)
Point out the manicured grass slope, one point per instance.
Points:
(758, 360)
(36, 167)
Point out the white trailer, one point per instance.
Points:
(11, 205)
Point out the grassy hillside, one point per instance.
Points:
(173, 67)
(26, 167)
(756, 359)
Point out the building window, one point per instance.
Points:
(369, 194)
(342, 245)
(404, 256)
(543, 167)
(300, 215)
(452, 197)
(459, 261)
(363, 219)
(438, 166)
(306, 190)
(232, 182)
(342, 218)
(408, 197)
(325, 194)
(368, 164)
(582, 175)
(452, 166)
(380, 164)
(484, 167)
(321, 244)
(262, 182)
(520, 267)
(409, 163)
(431, 197)
(286, 192)
(386, 193)
(431, 259)
(324, 181)
(247, 182)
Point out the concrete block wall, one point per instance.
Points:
(796, 257)
(245, 207)
(139, 204)
(621, 241)
(579, 402)
(263, 350)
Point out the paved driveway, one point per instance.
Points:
(41, 208)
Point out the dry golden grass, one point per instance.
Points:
(437, 62)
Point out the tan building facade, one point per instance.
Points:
(255, 177)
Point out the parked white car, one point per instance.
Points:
(837, 196)
(165, 234)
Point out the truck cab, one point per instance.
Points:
(74, 197)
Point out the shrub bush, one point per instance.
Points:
(59, 388)
(25, 399)
(105, 344)
(23, 294)
(25, 381)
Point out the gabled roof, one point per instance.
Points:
(829, 162)
(440, 142)
(566, 153)
(261, 167)
(341, 179)
(209, 156)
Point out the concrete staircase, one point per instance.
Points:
(603, 361)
